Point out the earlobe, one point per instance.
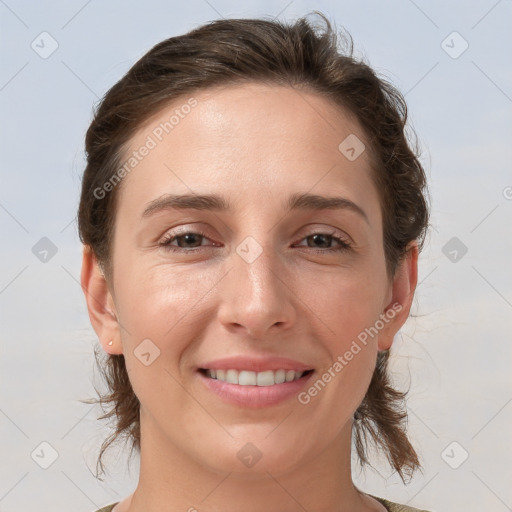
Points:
(100, 304)
(402, 294)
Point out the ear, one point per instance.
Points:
(401, 294)
(100, 303)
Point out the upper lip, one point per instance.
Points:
(255, 364)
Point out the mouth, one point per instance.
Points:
(252, 378)
(254, 381)
(249, 389)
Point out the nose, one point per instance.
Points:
(257, 297)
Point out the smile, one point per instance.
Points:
(248, 389)
(251, 378)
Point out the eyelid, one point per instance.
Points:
(172, 235)
(183, 230)
(328, 231)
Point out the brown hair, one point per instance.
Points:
(299, 55)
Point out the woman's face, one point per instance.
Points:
(254, 281)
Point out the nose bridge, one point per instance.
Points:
(256, 268)
(257, 299)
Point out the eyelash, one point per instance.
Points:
(166, 243)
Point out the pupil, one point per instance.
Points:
(189, 238)
(315, 237)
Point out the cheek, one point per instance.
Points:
(348, 304)
(165, 305)
(156, 297)
(346, 301)
(160, 309)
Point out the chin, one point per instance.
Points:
(255, 458)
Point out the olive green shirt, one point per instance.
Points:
(391, 507)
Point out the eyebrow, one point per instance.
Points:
(212, 202)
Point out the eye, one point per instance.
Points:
(188, 241)
(325, 239)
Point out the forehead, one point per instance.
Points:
(246, 140)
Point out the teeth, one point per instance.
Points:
(290, 375)
(280, 376)
(248, 378)
(264, 378)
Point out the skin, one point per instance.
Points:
(255, 145)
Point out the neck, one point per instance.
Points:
(170, 481)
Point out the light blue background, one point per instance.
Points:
(457, 352)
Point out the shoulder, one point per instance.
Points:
(396, 507)
(392, 507)
(108, 508)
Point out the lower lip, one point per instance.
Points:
(255, 396)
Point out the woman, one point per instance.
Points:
(252, 214)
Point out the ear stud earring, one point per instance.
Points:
(110, 343)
